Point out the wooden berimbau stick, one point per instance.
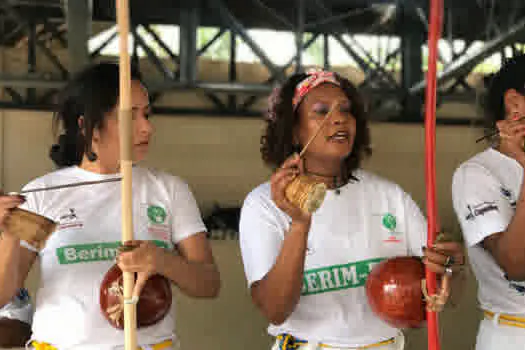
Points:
(126, 163)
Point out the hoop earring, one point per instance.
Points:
(91, 156)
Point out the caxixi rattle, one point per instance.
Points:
(30, 227)
(33, 228)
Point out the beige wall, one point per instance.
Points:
(220, 160)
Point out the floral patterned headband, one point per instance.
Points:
(314, 79)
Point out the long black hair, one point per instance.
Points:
(90, 94)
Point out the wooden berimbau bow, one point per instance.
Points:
(126, 163)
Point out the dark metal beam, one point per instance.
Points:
(78, 19)
(252, 99)
(11, 12)
(135, 62)
(210, 42)
(152, 57)
(26, 81)
(13, 33)
(235, 25)
(103, 45)
(161, 43)
(424, 20)
(299, 34)
(326, 52)
(283, 69)
(378, 69)
(389, 57)
(219, 105)
(460, 81)
(212, 87)
(412, 40)
(466, 63)
(369, 71)
(189, 19)
(214, 113)
(257, 89)
(47, 96)
(52, 58)
(232, 73)
(31, 57)
(189, 24)
(15, 96)
(52, 29)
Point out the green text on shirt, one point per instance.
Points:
(85, 253)
(337, 277)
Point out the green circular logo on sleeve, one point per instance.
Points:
(156, 214)
(389, 221)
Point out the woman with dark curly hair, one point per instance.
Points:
(488, 195)
(306, 272)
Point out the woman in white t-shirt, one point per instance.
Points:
(169, 232)
(488, 195)
(306, 273)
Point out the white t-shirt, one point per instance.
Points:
(19, 308)
(484, 192)
(83, 248)
(369, 220)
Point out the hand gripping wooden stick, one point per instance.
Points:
(126, 163)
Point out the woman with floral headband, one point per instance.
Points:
(306, 272)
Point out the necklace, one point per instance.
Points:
(337, 185)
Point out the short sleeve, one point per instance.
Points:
(416, 225)
(480, 207)
(31, 204)
(187, 219)
(260, 237)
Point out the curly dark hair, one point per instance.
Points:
(510, 76)
(277, 141)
